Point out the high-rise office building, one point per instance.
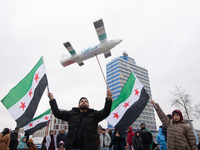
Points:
(117, 73)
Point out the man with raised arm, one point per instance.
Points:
(83, 122)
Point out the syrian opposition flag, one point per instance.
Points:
(38, 122)
(22, 100)
(129, 105)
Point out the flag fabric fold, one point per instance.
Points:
(38, 122)
(129, 105)
(23, 99)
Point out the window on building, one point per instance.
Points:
(54, 120)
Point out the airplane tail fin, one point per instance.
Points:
(69, 47)
(100, 29)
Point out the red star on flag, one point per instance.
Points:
(30, 125)
(116, 115)
(36, 77)
(22, 106)
(46, 118)
(38, 121)
(126, 105)
(30, 93)
(136, 92)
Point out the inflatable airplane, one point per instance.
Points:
(104, 47)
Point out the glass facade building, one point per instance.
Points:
(117, 73)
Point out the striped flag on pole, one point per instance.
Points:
(23, 99)
(38, 122)
(129, 105)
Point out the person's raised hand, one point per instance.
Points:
(152, 102)
(109, 94)
(50, 95)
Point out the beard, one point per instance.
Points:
(83, 107)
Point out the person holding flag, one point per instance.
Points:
(83, 122)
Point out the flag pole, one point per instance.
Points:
(102, 71)
(48, 124)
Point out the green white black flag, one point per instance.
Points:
(22, 100)
(129, 105)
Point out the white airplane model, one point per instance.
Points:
(104, 47)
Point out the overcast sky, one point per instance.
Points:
(162, 36)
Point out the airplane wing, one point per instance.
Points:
(66, 61)
(100, 29)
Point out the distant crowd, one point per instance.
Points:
(141, 139)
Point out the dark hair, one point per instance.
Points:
(50, 131)
(16, 128)
(103, 129)
(83, 98)
(169, 116)
(116, 131)
(142, 124)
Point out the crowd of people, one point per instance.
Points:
(11, 140)
(140, 140)
(82, 134)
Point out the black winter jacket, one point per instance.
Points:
(13, 140)
(89, 123)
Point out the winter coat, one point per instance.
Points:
(106, 139)
(137, 141)
(33, 147)
(146, 136)
(61, 137)
(118, 141)
(22, 144)
(160, 138)
(4, 141)
(164, 131)
(179, 135)
(48, 141)
(130, 135)
(13, 140)
(89, 122)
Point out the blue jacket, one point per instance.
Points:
(22, 144)
(160, 138)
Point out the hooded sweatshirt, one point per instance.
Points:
(130, 136)
(22, 144)
(160, 137)
(31, 145)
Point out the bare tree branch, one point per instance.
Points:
(182, 100)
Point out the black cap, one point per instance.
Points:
(16, 128)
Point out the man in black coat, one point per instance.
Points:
(146, 136)
(14, 139)
(83, 122)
